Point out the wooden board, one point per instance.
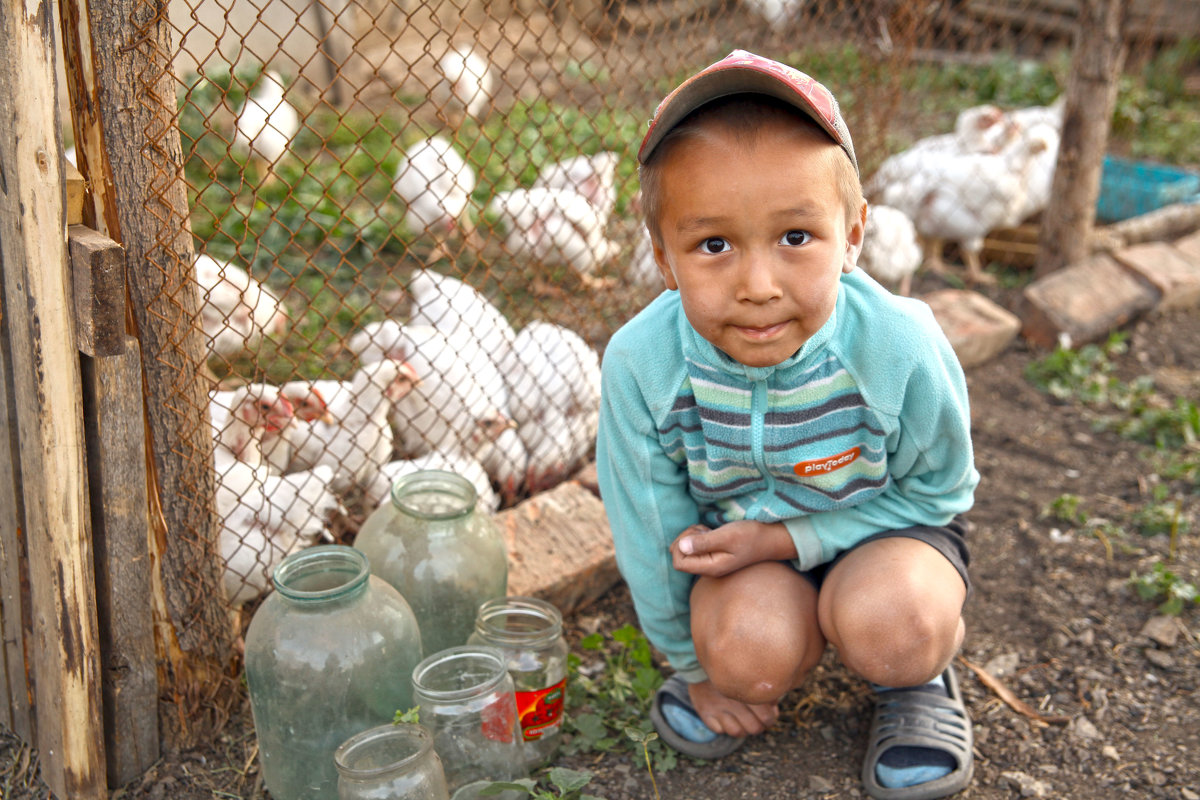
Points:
(98, 289)
(112, 392)
(43, 370)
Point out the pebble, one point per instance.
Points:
(1003, 665)
(1162, 630)
(1159, 658)
(1110, 752)
(1083, 728)
(816, 783)
(1188, 794)
(1027, 785)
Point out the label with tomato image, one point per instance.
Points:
(541, 710)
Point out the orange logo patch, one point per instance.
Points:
(822, 466)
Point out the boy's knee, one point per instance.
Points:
(898, 646)
(755, 662)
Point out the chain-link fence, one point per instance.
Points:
(417, 222)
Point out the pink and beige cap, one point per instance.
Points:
(742, 72)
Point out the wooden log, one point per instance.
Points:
(1168, 222)
(1067, 224)
(15, 711)
(36, 320)
(112, 399)
(135, 95)
(98, 286)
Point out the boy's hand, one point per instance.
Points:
(728, 716)
(701, 550)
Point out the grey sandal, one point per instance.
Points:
(675, 690)
(914, 718)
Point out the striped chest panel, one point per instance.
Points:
(771, 452)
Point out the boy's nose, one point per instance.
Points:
(759, 282)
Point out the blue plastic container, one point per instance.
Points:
(1132, 188)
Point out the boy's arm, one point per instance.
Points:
(647, 503)
(930, 462)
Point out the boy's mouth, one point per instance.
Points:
(762, 333)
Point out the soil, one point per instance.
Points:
(1109, 687)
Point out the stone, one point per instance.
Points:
(1084, 302)
(1189, 247)
(1168, 270)
(1162, 629)
(978, 329)
(560, 547)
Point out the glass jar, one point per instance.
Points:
(329, 653)
(438, 552)
(390, 762)
(529, 633)
(466, 699)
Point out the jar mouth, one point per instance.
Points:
(457, 673)
(378, 751)
(321, 572)
(434, 494)
(519, 620)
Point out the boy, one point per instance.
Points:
(784, 449)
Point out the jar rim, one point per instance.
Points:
(374, 737)
(489, 657)
(533, 609)
(435, 480)
(329, 559)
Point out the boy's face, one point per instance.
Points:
(755, 238)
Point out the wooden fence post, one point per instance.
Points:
(42, 371)
(1066, 232)
(144, 208)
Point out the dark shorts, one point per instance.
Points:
(950, 540)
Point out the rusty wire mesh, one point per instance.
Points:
(451, 184)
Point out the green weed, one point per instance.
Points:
(1065, 508)
(565, 784)
(616, 700)
(1163, 584)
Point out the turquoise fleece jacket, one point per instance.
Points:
(865, 429)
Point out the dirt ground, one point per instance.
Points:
(1052, 617)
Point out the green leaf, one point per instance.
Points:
(627, 634)
(411, 717)
(633, 734)
(569, 780)
(593, 642)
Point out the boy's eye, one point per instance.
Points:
(714, 244)
(795, 238)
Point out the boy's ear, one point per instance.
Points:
(660, 258)
(854, 240)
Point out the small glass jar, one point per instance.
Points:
(390, 762)
(432, 546)
(529, 633)
(466, 700)
(329, 653)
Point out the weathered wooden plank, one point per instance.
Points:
(98, 287)
(112, 401)
(76, 193)
(146, 211)
(14, 687)
(44, 367)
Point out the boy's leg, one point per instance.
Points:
(757, 637)
(893, 609)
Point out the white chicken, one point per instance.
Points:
(593, 176)
(891, 250)
(448, 411)
(267, 122)
(236, 311)
(1040, 177)
(555, 400)
(979, 129)
(473, 325)
(464, 87)
(379, 489)
(642, 270)
(358, 438)
(266, 518)
(778, 14)
(555, 227)
(435, 183)
(963, 197)
(252, 423)
(505, 459)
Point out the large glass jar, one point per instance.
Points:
(329, 653)
(445, 558)
(466, 699)
(529, 633)
(390, 762)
